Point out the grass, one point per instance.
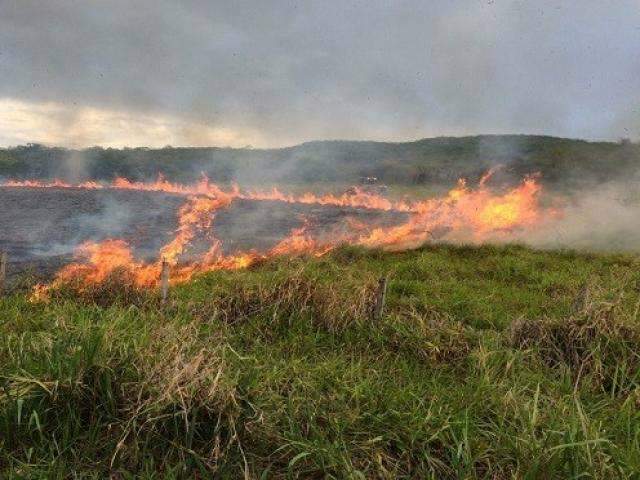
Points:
(489, 362)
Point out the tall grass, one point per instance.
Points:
(490, 362)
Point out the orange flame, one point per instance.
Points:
(356, 198)
(102, 258)
(196, 214)
(466, 214)
(472, 215)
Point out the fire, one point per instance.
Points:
(465, 214)
(518, 207)
(100, 259)
(56, 183)
(196, 214)
(357, 198)
(488, 213)
(300, 241)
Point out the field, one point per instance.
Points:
(488, 362)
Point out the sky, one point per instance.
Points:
(271, 73)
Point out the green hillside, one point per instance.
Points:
(562, 162)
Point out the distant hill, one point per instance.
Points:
(560, 161)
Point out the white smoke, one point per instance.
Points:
(605, 218)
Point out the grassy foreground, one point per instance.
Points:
(490, 362)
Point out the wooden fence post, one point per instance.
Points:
(381, 296)
(583, 299)
(3, 271)
(164, 280)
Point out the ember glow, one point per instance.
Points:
(465, 214)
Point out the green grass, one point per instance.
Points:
(489, 362)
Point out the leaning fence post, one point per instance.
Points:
(381, 295)
(164, 280)
(3, 271)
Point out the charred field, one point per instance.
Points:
(43, 227)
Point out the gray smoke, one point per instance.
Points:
(294, 71)
(604, 218)
(75, 168)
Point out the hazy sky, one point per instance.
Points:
(270, 73)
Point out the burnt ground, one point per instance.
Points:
(40, 228)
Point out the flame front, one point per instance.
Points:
(464, 214)
(100, 259)
(196, 214)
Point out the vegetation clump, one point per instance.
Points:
(599, 342)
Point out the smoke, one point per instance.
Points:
(50, 223)
(238, 73)
(605, 218)
(74, 167)
(111, 219)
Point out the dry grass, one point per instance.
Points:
(118, 288)
(183, 388)
(432, 336)
(599, 340)
(328, 304)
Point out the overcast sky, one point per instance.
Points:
(271, 73)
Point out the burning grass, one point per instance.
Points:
(465, 214)
(116, 287)
(278, 371)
